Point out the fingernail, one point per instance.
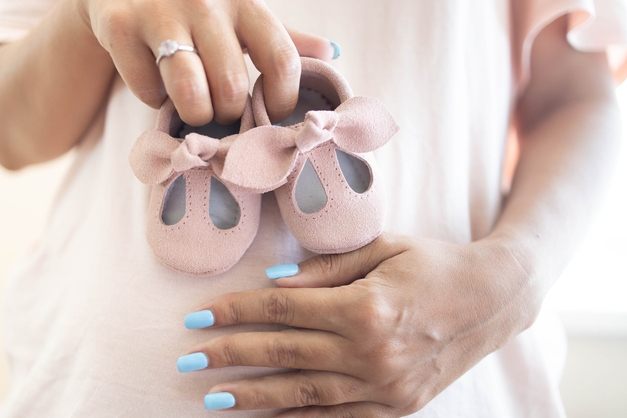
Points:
(219, 400)
(337, 50)
(192, 362)
(200, 319)
(284, 270)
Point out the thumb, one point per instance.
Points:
(332, 270)
(314, 46)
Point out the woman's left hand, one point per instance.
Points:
(377, 332)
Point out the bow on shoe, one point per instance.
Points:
(261, 159)
(155, 156)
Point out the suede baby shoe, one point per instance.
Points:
(318, 161)
(196, 222)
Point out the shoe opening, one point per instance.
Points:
(356, 172)
(309, 193)
(212, 129)
(224, 210)
(308, 99)
(174, 202)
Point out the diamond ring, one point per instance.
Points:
(170, 47)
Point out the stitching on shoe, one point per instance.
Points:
(238, 199)
(159, 212)
(190, 200)
(323, 180)
(338, 169)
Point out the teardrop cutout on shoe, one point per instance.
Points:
(356, 171)
(174, 202)
(309, 193)
(224, 210)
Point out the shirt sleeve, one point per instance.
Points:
(18, 17)
(593, 26)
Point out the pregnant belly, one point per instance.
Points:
(104, 341)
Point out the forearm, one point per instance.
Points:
(569, 127)
(565, 162)
(51, 85)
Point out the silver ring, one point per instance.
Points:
(169, 47)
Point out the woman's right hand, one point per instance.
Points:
(215, 82)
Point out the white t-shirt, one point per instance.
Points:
(94, 323)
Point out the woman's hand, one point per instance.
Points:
(49, 96)
(214, 82)
(378, 332)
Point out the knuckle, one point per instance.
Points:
(283, 354)
(230, 355)
(400, 394)
(307, 394)
(326, 264)
(258, 399)
(383, 366)
(414, 406)
(188, 90)
(232, 87)
(385, 355)
(234, 312)
(419, 400)
(375, 314)
(117, 19)
(278, 308)
(113, 27)
(286, 62)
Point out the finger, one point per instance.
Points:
(320, 309)
(136, 65)
(331, 270)
(224, 65)
(183, 75)
(314, 46)
(293, 349)
(275, 56)
(293, 390)
(357, 410)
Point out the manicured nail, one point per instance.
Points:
(200, 319)
(219, 400)
(192, 362)
(337, 50)
(284, 270)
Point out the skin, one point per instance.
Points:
(63, 87)
(379, 331)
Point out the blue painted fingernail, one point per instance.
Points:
(200, 319)
(192, 362)
(219, 400)
(337, 50)
(284, 270)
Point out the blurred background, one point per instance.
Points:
(590, 298)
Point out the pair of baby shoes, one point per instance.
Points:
(207, 182)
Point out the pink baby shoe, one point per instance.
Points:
(197, 223)
(317, 161)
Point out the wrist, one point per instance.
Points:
(517, 272)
